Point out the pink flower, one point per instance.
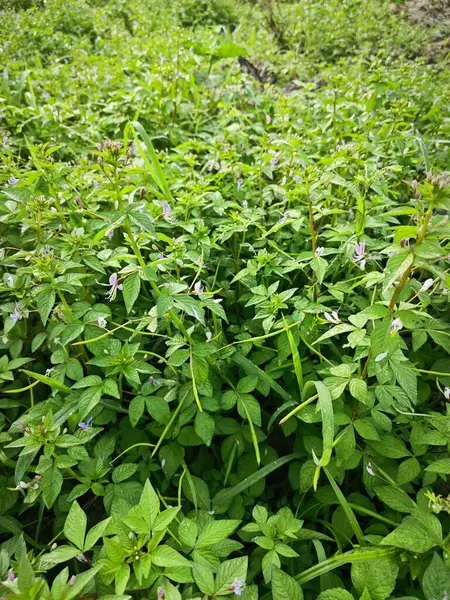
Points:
(161, 593)
(166, 210)
(237, 586)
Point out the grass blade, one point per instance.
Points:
(252, 369)
(151, 159)
(225, 496)
(295, 357)
(346, 508)
(342, 559)
(326, 408)
(53, 383)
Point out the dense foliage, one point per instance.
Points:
(224, 289)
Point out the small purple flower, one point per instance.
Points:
(13, 180)
(110, 234)
(114, 286)
(96, 184)
(86, 425)
(333, 317)
(153, 381)
(360, 253)
(11, 577)
(239, 182)
(17, 315)
(396, 325)
(273, 161)
(80, 202)
(237, 586)
(161, 593)
(360, 250)
(166, 210)
(404, 242)
(319, 251)
(297, 178)
(351, 213)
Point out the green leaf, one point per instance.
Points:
(326, 408)
(149, 503)
(417, 533)
(131, 289)
(124, 471)
(215, 532)
(270, 561)
(165, 556)
(396, 267)
(187, 532)
(395, 498)
(223, 498)
(71, 331)
(377, 576)
(284, 587)
(53, 383)
(45, 301)
(52, 481)
(408, 470)
(346, 508)
(204, 579)
(335, 594)
(351, 557)
(436, 579)
(252, 369)
(204, 426)
(358, 389)
(60, 555)
(151, 160)
(228, 571)
(75, 525)
(95, 533)
(441, 466)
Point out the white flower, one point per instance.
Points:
(381, 356)
(22, 485)
(369, 469)
(319, 251)
(101, 321)
(396, 325)
(198, 288)
(208, 336)
(447, 393)
(53, 546)
(426, 285)
(333, 317)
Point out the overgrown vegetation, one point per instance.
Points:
(225, 299)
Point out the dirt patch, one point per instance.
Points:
(427, 13)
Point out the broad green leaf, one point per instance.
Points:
(75, 525)
(418, 532)
(395, 498)
(377, 576)
(436, 579)
(215, 532)
(45, 302)
(335, 594)
(284, 587)
(204, 579)
(228, 571)
(131, 289)
(52, 481)
(441, 466)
